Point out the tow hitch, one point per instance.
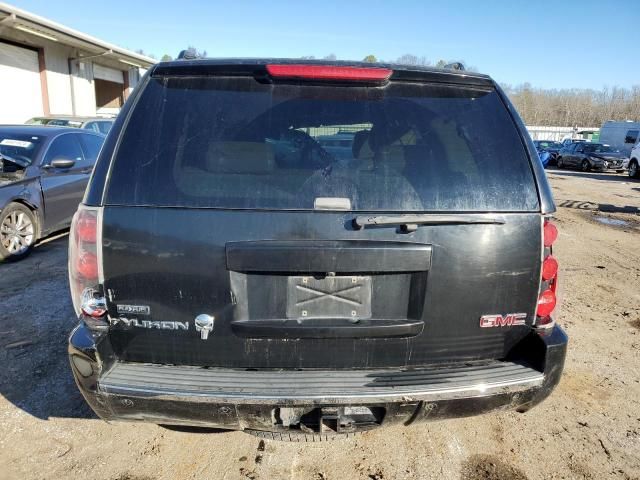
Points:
(328, 420)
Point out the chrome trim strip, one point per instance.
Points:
(476, 390)
(99, 214)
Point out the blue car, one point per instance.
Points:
(545, 157)
(551, 149)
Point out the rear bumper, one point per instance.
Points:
(244, 399)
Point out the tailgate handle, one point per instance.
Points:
(318, 256)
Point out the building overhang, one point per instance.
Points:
(30, 24)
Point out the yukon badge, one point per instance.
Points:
(508, 320)
(151, 324)
(204, 324)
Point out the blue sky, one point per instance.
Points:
(550, 44)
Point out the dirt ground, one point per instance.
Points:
(588, 429)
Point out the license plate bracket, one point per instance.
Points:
(329, 297)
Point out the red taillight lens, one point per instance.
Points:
(547, 299)
(85, 228)
(546, 303)
(549, 268)
(87, 266)
(550, 233)
(330, 72)
(84, 254)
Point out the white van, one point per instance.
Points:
(622, 136)
(634, 162)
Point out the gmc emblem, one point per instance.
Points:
(508, 320)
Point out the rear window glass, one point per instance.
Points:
(237, 143)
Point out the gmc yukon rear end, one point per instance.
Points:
(302, 249)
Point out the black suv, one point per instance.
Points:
(230, 271)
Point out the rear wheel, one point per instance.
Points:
(634, 171)
(17, 232)
(585, 166)
(560, 162)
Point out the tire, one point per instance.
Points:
(17, 232)
(560, 162)
(634, 170)
(584, 166)
(301, 437)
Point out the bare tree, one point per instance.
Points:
(571, 107)
(410, 59)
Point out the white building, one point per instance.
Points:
(49, 69)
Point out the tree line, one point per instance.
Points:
(575, 106)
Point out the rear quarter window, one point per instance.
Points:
(236, 143)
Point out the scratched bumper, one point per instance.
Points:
(244, 399)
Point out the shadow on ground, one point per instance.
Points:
(604, 176)
(36, 317)
(602, 207)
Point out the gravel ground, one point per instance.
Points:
(588, 429)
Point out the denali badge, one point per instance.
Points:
(509, 320)
(134, 322)
(135, 309)
(204, 324)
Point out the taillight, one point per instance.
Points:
(546, 303)
(330, 72)
(547, 300)
(84, 267)
(550, 233)
(549, 268)
(87, 266)
(86, 226)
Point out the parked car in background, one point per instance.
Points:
(97, 124)
(622, 136)
(570, 141)
(43, 175)
(591, 156)
(549, 146)
(303, 296)
(340, 145)
(633, 164)
(545, 157)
